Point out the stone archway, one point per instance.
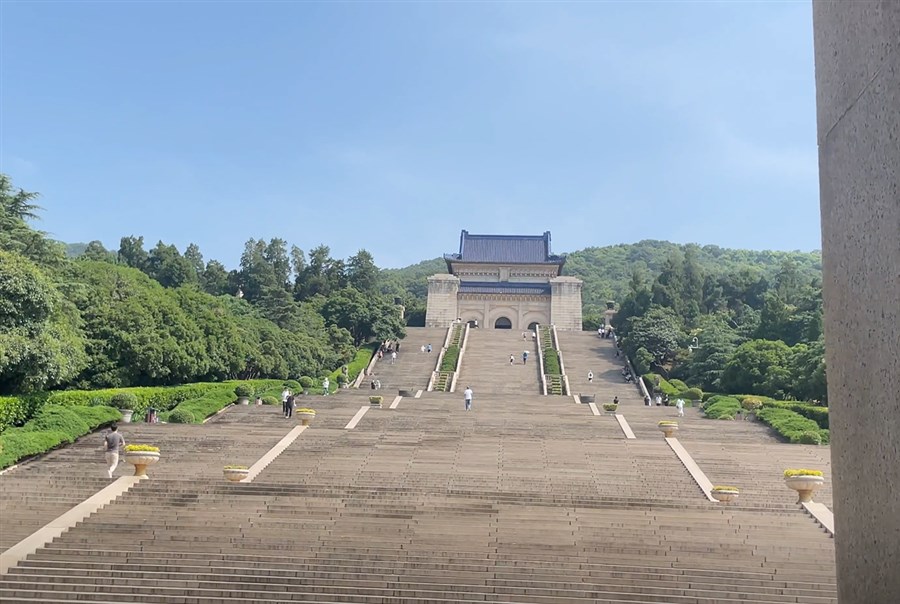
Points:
(502, 323)
(533, 326)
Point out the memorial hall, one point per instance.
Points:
(504, 282)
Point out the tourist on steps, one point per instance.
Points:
(326, 383)
(289, 407)
(512, 359)
(285, 395)
(467, 397)
(679, 404)
(590, 377)
(114, 441)
(393, 356)
(525, 357)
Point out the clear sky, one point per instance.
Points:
(391, 126)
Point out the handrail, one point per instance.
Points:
(537, 333)
(462, 349)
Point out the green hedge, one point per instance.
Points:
(199, 409)
(17, 410)
(692, 394)
(448, 363)
(357, 365)
(814, 412)
(721, 407)
(551, 362)
(679, 385)
(53, 426)
(792, 426)
(655, 381)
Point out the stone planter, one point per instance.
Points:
(407, 393)
(140, 460)
(668, 429)
(586, 398)
(375, 401)
(126, 415)
(305, 418)
(725, 495)
(235, 475)
(610, 409)
(804, 485)
(243, 400)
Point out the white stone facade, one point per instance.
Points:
(506, 294)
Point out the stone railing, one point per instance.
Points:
(443, 380)
(554, 383)
(562, 365)
(462, 351)
(540, 352)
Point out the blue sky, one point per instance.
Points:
(391, 126)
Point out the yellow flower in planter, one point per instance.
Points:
(801, 472)
(236, 468)
(141, 448)
(726, 489)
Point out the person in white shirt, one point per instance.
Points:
(467, 397)
(679, 404)
(590, 377)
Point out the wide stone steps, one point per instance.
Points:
(585, 351)
(485, 365)
(412, 369)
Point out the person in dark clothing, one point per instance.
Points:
(289, 407)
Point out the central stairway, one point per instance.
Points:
(485, 365)
(412, 368)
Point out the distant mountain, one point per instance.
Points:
(606, 271)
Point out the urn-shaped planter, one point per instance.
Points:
(305, 415)
(375, 401)
(236, 473)
(668, 428)
(725, 494)
(141, 456)
(126, 415)
(244, 400)
(805, 484)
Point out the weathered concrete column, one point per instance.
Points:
(857, 48)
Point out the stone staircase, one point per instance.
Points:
(413, 368)
(525, 499)
(585, 351)
(486, 368)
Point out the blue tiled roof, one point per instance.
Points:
(477, 287)
(508, 249)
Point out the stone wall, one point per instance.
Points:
(442, 307)
(565, 304)
(857, 51)
(520, 310)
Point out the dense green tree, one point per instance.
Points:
(194, 258)
(658, 332)
(758, 367)
(166, 264)
(132, 252)
(215, 279)
(96, 251)
(362, 273)
(366, 317)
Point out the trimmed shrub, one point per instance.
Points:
(681, 386)
(814, 412)
(551, 362)
(791, 425)
(271, 400)
(53, 426)
(243, 391)
(181, 416)
(13, 411)
(721, 407)
(448, 363)
(693, 394)
(656, 383)
(808, 438)
(122, 400)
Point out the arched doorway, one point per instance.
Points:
(532, 326)
(502, 323)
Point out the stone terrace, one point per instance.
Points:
(524, 499)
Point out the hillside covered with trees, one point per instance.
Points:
(722, 320)
(139, 317)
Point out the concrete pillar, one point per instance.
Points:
(565, 303)
(443, 301)
(857, 50)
